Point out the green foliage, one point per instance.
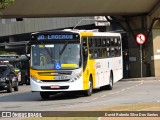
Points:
(5, 3)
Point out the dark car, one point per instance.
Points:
(8, 78)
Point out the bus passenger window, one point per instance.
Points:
(108, 52)
(90, 42)
(119, 51)
(91, 53)
(116, 41)
(116, 51)
(108, 42)
(119, 42)
(112, 51)
(95, 54)
(98, 42)
(93, 43)
(104, 52)
(104, 42)
(112, 42)
(99, 52)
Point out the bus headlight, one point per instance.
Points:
(36, 80)
(75, 78)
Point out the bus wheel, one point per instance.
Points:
(90, 90)
(110, 86)
(44, 95)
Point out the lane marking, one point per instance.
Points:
(141, 82)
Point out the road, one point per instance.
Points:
(124, 93)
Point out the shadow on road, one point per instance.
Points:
(35, 96)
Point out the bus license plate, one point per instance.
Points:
(55, 86)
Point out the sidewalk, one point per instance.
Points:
(143, 78)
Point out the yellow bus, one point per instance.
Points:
(74, 60)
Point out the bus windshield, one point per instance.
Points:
(47, 56)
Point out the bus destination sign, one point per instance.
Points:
(56, 37)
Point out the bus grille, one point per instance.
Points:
(49, 88)
(66, 80)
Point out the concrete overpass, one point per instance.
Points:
(135, 16)
(54, 8)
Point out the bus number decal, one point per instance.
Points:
(62, 77)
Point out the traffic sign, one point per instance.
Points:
(141, 38)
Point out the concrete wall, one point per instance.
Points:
(12, 27)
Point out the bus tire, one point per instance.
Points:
(90, 90)
(44, 95)
(110, 86)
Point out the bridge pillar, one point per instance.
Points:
(135, 26)
(156, 48)
(151, 48)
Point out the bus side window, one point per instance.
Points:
(112, 51)
(99, 42)
(116, 41)
(112, 42)
(108, 52)
(116, 51)
(108, 42)
(104, 52)
(119, 46)
(104, 42)
(95, 54)
(116, 46)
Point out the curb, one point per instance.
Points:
(143, 78)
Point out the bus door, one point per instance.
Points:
(85, 60)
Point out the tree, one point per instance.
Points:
(5, 3)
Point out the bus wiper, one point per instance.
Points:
(64, 47)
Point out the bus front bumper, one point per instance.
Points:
(57, 86)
